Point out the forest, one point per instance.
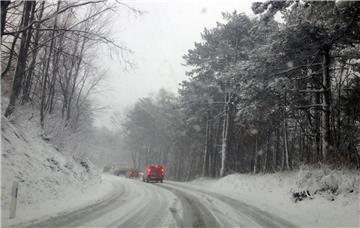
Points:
(183, 113)
(262, 95)
(49, 51)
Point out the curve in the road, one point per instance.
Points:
(244, 211)
(153, 209)
(171, 204)
(85, 214)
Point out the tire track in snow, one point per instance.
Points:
(77, 217)
(131, 204)
(261, 217)
(171, 204)
(195, 213)
(153, 209)
(224, 215)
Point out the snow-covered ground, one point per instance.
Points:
(272, 193)
(52, 183)
(47, 177)
(73, 200)
(118, 202)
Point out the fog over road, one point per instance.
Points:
(134, 203)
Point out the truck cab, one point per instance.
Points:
(154, 172)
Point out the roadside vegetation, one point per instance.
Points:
(261, 96)
(49, 67)
(48, 74)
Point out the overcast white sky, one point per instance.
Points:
(159, 39)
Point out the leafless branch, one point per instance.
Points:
(52, 16)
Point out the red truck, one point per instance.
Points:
(133, 173)
(154, 172)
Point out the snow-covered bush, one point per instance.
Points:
(324, 179)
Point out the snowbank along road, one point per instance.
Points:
(170, 204)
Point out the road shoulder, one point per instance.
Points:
(39, 213)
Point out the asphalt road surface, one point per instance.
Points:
(134, 203)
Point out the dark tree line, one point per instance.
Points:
(262, 96)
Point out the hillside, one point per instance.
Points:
(43, 172)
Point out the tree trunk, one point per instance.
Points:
(179, 161)
(266, 152)
(286, 143)
(66, 88)
(302, 155)
(276, 151)
(53, 79)
(326, 132)
(21, 64)
(256, 155)
(225, 136)
(215, 152)
(77, 103)
(148, 152)
(27, 85)
(45, 77)
(133, 159)
(207, 143)
(317, 154)
(76, 74)
(210, 149)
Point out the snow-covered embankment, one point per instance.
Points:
(335, 200)
(49, 180)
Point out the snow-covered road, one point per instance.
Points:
(133, 203)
